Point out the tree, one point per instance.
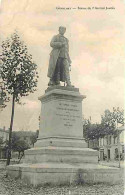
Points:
(15, 140)
(30, 136)
(34, 137)
(86, 128)
(118, 116)
(18, 72)
(107, 122)
(19, 145)
(3, 95)
(106, 127)
(110, 120)
(3, 98)
(23, 140)
(90, 131)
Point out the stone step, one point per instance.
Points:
(61, 154)
(61, 142)
(60, 173)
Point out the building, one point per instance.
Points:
(4, 136)
(109, 146)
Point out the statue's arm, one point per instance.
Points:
(69, 60)
(55, 44)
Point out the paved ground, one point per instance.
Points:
(9, 186)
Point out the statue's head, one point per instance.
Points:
(62, 30)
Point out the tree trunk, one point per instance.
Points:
(10, 132)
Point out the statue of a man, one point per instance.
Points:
(59, 62)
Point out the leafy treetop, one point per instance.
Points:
(18, 70)
(109, 124)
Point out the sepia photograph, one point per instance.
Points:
(62, 122)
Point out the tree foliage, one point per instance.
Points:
(28, 137)
(107, 122)
(18, 70)
(34, 137)
(3, 97)
(111, 120)
(108, 125)
(118, 115)
(18, 144)
(91, 131)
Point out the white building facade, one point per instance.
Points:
(110, 144)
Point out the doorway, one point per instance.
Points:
(108, 154)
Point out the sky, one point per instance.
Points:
(97, 50)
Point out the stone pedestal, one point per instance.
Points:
(61, 113)
(60, 155)
(61, 118)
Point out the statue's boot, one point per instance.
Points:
(68, 84)
(57, 82)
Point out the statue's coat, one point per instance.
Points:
(56, 44)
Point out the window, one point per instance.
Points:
(102, 141)
(107, 140)
(123, 149)
(117, 140)
(110, 140)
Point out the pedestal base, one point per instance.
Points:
(64, 174)
(60, 149)
(56, 164)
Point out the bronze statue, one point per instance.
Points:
(59, 62)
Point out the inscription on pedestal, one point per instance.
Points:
(68, 113)
(61, 114)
